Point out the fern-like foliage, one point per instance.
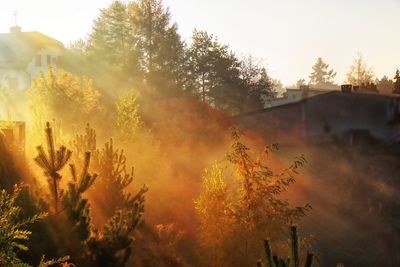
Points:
(12, 232)
(52, 163)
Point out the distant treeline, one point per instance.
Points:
(135, 45)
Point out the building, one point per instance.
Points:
(13, 135)
(293, 95)
(337, 115)
(24, 54)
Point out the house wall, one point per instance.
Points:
(283, 124)
(339, 115)
(21, 79)
(15, 79)
(34, 70)
(292, 95)
(329, 116)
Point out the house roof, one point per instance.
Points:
(311, 89)
(18, 48)
(361, 95)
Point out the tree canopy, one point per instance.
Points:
(321, 75)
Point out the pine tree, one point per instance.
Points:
(396, 89)
(52, 163)
(76, 207)
(112, 246)
(83, 143)
(160, 45)
(384, 85)
(72, 220)
(215, 72)
(273, 260)
(112, 40)
(321, 75)
(114, 178)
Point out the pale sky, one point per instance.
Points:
(287, 35)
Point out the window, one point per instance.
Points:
(48, 60)
(38, 60)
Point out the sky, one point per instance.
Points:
(286, 36)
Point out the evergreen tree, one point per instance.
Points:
(321, 75)
(160, 45)
(215, 72)
(113, 180)
(52, 163)
(370, 87)
(384, 85)
(112, 40)
(203, 53)
(71, 222)
(396, 85)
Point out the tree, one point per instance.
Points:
(52, 164)
(215, 210)
(251, 210)
(112, 41)
(300, 82)
(113, 180)
(321, 75)
(159, 44)
(257, 86)
(359, 73)
(259, 207)
(204, 52)
(293, 260)
(128, 118)
(396, 89)
(218, 78)
(13, 231)
(370, 87)
(59, 93)
(71, 222)
(384, 85)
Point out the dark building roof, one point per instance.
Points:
(363, 96)
(18, 48)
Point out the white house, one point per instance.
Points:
(295, 95)
(24, 54)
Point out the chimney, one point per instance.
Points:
(305, 90)
(15, 29)
(346, 88)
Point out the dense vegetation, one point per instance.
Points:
(139, 113)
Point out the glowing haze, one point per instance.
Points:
(288, 35)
